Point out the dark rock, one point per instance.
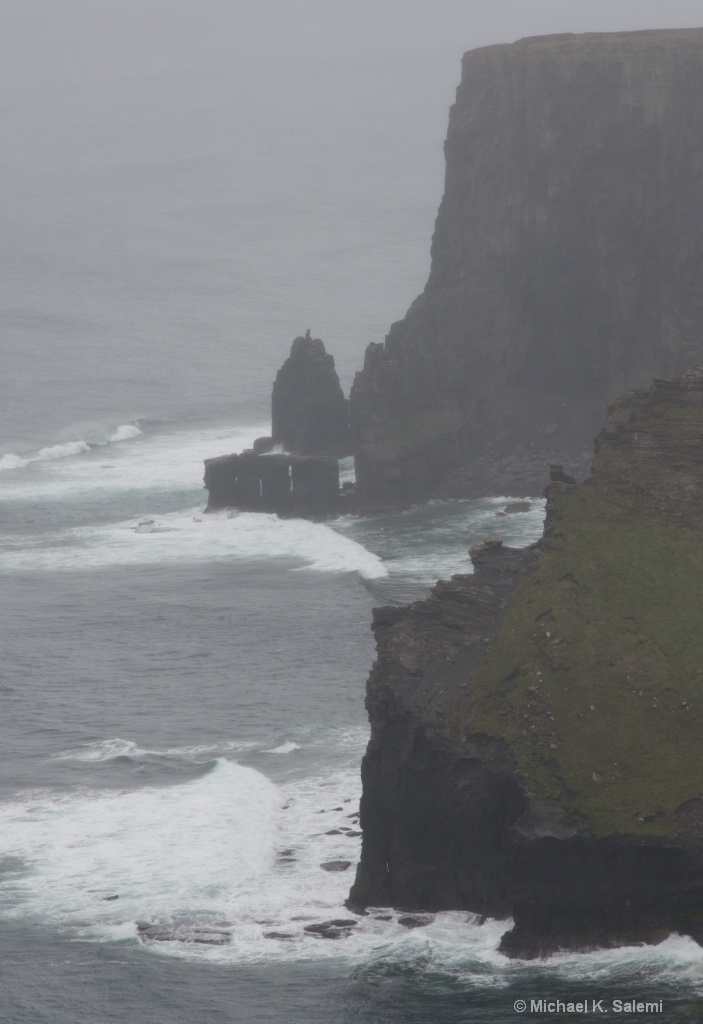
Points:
(337, 929)
(262, 445)
(566, 266)
(109, 899)
(411, 921)
(278, 935)
(308, 409)
(285, 484)
(184, 932)
(495, 702)
(336, 865)
(517, 506)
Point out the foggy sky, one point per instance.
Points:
(239, 103)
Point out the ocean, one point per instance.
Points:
(182, 694)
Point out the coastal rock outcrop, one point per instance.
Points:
(309, 412)
(567, 266)
(288, 485)
(536, 727)
(295, 471)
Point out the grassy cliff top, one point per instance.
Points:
(596, 676)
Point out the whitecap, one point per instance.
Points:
(185, 537)
(101, 750)
(125, 432)
(284, 748)
(48, 454)
(69, 449)
(159, 462)
(108, 749)
(164, 852)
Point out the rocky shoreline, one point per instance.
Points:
(535, 726)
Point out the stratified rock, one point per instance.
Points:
(567, 266)
(536, 727)
(288, 485)
(309, 412)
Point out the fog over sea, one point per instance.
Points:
(186, 187)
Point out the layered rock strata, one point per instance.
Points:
(309, 412)
(536, 727)
(567, 266)
(287, 485)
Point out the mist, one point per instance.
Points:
(153, 152)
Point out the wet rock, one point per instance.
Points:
(413, 921)
(288, 485)
(207, 935)
(336, 865)
(337, 929)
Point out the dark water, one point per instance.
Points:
(186, 188)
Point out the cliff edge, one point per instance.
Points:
(536, 727)
(567, 267)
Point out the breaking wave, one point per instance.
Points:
(192, 537)
(67, 449)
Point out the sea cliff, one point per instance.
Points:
(536, 726)
(567, 267)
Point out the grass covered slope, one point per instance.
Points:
(595, 679)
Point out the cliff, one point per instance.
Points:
(567, 266)
(536, 727)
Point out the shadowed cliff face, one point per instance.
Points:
(567, 266)
(537, 726)
(309, 413)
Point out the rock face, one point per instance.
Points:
(537, 726)
(285, 484)
(567, 266)
(310, 419)
(309, 412)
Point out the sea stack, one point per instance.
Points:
(536, 727)
(567, 266)
(309, 413)
(310, 420)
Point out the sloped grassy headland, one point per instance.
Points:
(537, 726)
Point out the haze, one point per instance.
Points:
(152, 152)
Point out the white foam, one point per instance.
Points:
(107, 750)
(284, 748)
(162, 462)
(234, 853)
(101, 750)
(49, 454)
(126, 432)
(193, 537)
(69, 449)
(165, 852)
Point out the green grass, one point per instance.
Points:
(606, 637)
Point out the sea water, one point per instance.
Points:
(182, 694)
